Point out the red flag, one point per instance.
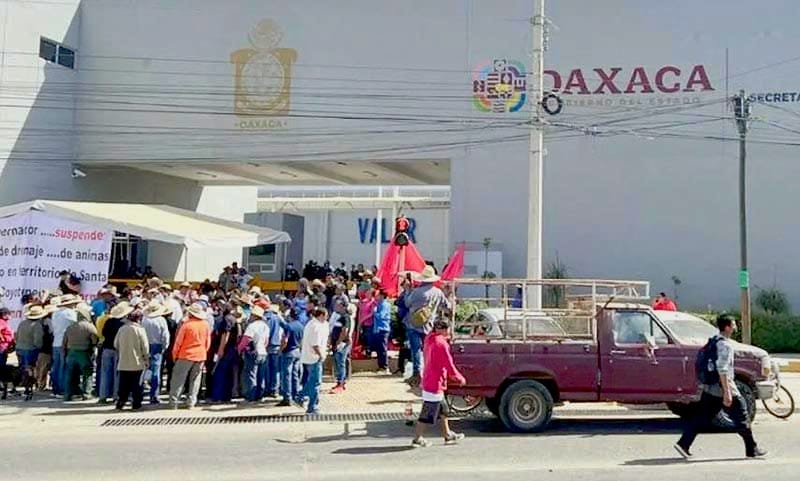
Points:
(396, 260)
(455, 268)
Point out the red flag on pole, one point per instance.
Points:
(455, 267)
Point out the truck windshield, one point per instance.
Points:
(691, 330)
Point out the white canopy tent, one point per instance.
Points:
(156, 222)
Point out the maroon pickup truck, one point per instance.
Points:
(628, 353)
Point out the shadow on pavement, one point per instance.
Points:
(670, 461)
(373, 450)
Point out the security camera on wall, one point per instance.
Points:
(78, 173)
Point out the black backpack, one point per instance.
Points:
(706, 363)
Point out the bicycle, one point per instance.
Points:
(463, 404)
(781, 404)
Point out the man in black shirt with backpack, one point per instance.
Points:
(716, 373)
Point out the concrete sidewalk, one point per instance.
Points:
(366, 394)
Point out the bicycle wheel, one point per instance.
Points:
(781, 405)
(463, 404)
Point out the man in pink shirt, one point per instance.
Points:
(438, 369)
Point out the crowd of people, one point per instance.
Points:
(217, 341)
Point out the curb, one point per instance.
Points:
(789, 365)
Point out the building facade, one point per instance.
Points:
(195, 103)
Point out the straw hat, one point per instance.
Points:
(154, 282)
(121, 310)
(155, 309)
(186, 284)
(427, 275)
(167, 287)
(50, 308)
(36, 312)
(84, 310)
(255, 290)
(197, 311)
(257, 311)
(317, 282)
(69, 300)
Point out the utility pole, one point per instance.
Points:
(741, 109)
(535, 157)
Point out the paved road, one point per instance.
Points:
(591, 449)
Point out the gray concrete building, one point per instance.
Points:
(196, 103)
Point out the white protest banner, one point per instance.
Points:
(35, 247)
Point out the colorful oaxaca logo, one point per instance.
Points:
(499, 86)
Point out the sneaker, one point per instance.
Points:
(102, 400)
(454, 438)
(683, 452)
(420, 443)
(338, 389)
(758, 453)
(313, 412)
(155, 402)
(284, 403)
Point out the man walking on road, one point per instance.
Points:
(439, 367)
(722, 395)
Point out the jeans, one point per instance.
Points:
(415, 339)
(77, 373)
(312, 385)
(380, 344)
(223, 379)
(707, 409)
(109, 379)
(57, 371)
(185, 372)
(156, 357)
(290, 375)
(340, 357)
(255, 371)
(273, 370)
(130, 384)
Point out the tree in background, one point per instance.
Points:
(773, 301)
(556, 296)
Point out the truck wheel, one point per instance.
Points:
(724, 422)
(493, 405)
(526, 407)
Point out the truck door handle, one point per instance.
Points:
(461, 349)
(617, 351)
(587, 348)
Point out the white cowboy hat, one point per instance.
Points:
(257, 311)
(255, 290)
(167, 287)
(69, 300)
(155, 309)
(186, 284)
(427, 275)
(36, 312)
(197, 311)
(120, 310)
(84, 310)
